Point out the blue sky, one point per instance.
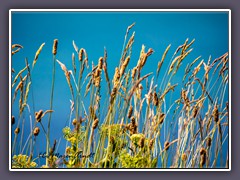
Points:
(96, 30)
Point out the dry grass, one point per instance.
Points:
(132, 127)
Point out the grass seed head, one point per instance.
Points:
(166, 145)
(202, 151)
(74, 122)
(194, 111)
(184, 157)
(97, 77)
(100, 63)
(133, 121)
(80, 54)
(13, 120)
(17, 130)
(19, 86)
(141, 142)
(36, 131)
(134, 71)
(203, 157)
(113, 94)
(155, 99)
(161, 118)
(97, 73)
(55, 44)
(132, 127)
(116, 77)
(130, 111)
(124, 65)
(215, 114)
(38, 115)
(95, 123)
(209, 141)
(150, 145)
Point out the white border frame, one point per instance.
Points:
(120, 10)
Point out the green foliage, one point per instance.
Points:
(137, 161)
(135, 138)
(139, 157)
(116, 129)
(23, 161)
(73, 136)
(73, 152)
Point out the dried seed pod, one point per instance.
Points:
(132, 128)
(124, 65)
(203, 151)
(202, 160)
(100, 63)
(184, 97)
(96, 81)
(134, 70)
(149, 98)
(95, 123)
(133, 121)
(112, 140)
(203, 157)
(114, 91)
(97, 73)
(141, 142)
(36, 131)
(130, 111)
(55, 44)
(113, 94)
(17, 130)
(74, 122)
(184, 157)
(116, 77)
(13, 120)
(209, 141)
(166, 145)
(194, 111)
(80, 54)
(215, 114)
(150, 145)
(155, 99)
(161, 118)
(38, 115)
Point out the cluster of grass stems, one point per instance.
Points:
(140, 124)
